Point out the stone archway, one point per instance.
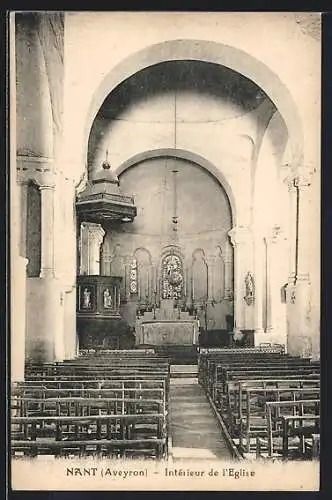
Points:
(189, 156)
(218, 304)
(205, 51)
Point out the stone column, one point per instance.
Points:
(292, 230)
(47, 231)
(18, 319)
(300, 334)
(259, 259)
(241, 239)
(92, 235)
(18, 289)
(276, 314)
(228, 280)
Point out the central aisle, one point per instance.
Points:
(194, 429)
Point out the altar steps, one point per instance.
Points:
(184, 371)
(178, 354)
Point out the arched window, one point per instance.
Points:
(133, 277)
(172, 277)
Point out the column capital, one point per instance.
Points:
(44, 187)
(300, 177)
(240, 235)
(210, 259)
(41, 176)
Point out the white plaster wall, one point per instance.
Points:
(33, 101)
(219, 131)
(97, 42)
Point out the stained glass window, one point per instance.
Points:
(172, 277)
(133, 276)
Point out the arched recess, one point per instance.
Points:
(199, 276)
(144, 275)
(185, 155)
(205, 51)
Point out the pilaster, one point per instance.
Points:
(241, 238)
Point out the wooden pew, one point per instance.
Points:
(216, 368)
(44, 373)
(256, 420)
(101, 435)
(123, 389)
(223, 372)
(27, 406)
(281, 417)
(239, 392)
(207, 362)
(263, 372)
(307, 429)
(44, 392)
(88, 383)
(89, 388)
(225, 390)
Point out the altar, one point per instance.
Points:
(167, 325)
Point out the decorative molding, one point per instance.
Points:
(240, 235)
(300, 178)
(27, 155)
(41, 177)
(95, 230)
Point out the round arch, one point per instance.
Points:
(211, 52)
(184, 155)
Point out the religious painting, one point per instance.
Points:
(172, 277)
(87, 298)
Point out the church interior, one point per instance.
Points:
(165, 236)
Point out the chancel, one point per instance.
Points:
(165, 241)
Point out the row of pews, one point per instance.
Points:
(268, 402)
(107, 404)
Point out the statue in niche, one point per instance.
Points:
(107, 299)
(250, 289)
(86, 299)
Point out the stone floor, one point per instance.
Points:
(194, 429)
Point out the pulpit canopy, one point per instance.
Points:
(102, 200)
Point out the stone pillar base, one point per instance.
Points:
(302, 339)
(44, 308)
(272, 336)
(18, 321)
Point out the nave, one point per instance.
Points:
(249, 403)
